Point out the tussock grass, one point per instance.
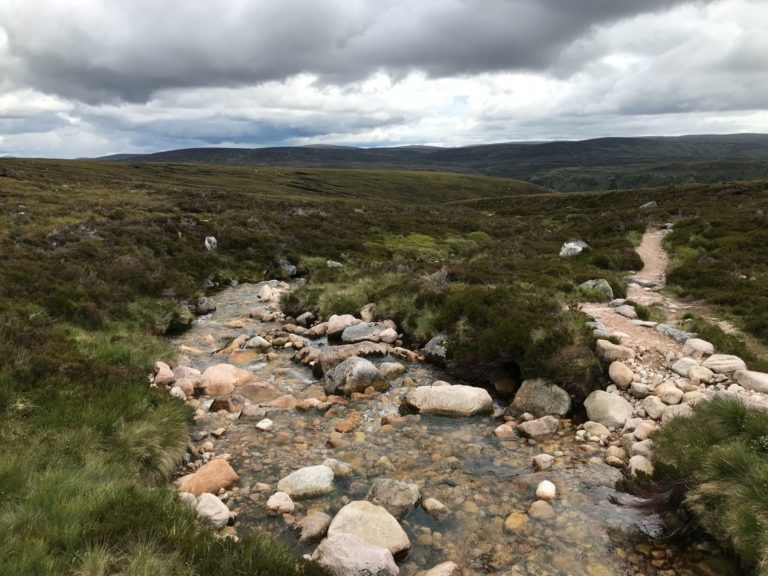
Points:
(720, 456)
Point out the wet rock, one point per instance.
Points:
(345, 554)
(230, 403)
(516, 522)
(221, 379)
(546, 490)
(541, 510)
(595, 429)
(543, 462)
(640, 465)
(458, 400)
(397, 497)
(751, 380)
(436, 350)
(265, 425)
(506, 430)
(163, 375)
(338, 323)
(610, 410)
(444, 569)
(683, 366)
(317, 330)
(627, 311)
(211, 477)
(698, 348)
(340, 469)
(600, 284)
(370, 523)
(258, 343)
(539, 429)
(313, 527)
(332, 356)
(435, 508)
(621, 374)
(280, 503)
(354, 374)
(540, 397)
(370, 331)
(307, 482)
(654, 407)
(609, 352)
(204, 306)
(391, 370)
(211, 507)
(286, 402)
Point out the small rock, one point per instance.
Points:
(211, 507)
(697, 348)
(654, 407)
(541, 510)
(543, 461)
(620, 374)
(539, 429)
(683, 366)
(280, 503)
(370, 523)
(313, 527)
(444, 569)
(610, 410)
(546, 490)
(627, 311)
(307, 482)
(163, 375)
(434, 507)
(345, 554)
(516, 521)
(609, 352)
(640, 465)
(266, 425)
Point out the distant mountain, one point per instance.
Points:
(601, 163)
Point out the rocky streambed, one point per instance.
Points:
(448, 484)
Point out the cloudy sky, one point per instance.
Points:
(95, 77)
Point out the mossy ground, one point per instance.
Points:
(98, 261)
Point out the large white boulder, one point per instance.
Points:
(724, 363)
(757, 381)
(345, 554)
(211, 507)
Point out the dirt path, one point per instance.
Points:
(653, 273)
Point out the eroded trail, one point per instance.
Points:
(484, 480)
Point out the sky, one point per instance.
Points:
(85, 78)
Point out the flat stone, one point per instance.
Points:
(683, 366)
(698, 348)
(609, 352)
(539, 429)
(397, 497)
(211, 477)
(434, 507)
(372, 524)
(457, 400)
(516, 522)
(724, 363)
(627, 311)
(540, 397)
(444, 569)
(307, 482)
(596, 429)
(701, 374)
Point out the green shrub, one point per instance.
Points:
(720, 456)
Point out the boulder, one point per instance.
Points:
(669, 393)
(332, 356)
(436, 350)
(221, 379)
(280, 503)
(540, 397)
(610, 410)
(370, 331)
(204, 306)
(345, 554)
(621, 374)
(230, 403)
(701, 374)
(654, 407)
(698, 348)
(539, 429)
(258, 343)
(307, 482)
(209, 506)
(313, 527)
(397, 497)
(683, 366)
(573, 248)
(609, 352)
(458, 400)
(372, 524)
(757, 381)
(354, 374)
(600, 284)
(627, 311)
(391, 370)
(724, 363)
(338, 323)
(163, 375)
(210, 477)
(640, 465)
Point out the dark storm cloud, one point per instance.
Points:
(112, 51)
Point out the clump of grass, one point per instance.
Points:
(720, 457)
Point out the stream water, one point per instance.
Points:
(596, 531)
